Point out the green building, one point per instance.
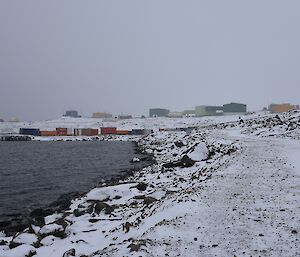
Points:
(158, 112)
(234, 108)
(188, 113)
(204, 110)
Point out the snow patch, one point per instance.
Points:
(199, 153)
(108, 193)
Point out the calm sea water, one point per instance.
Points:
(34, 174)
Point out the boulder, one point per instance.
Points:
(149, 200)
(187, 161)
(183, 163)
(141, 186)
(179, 144)
(78, 213)
(99, 206)
(70, 252)
(56, 229)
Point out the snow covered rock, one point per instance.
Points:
(121, 192)
(25, 238)
(135, 159)
(199, 153)
(56, 229)
(99, 206)
(21, 251)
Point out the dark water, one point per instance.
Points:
(34, 174)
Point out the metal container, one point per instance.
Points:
(48, 133)
(89, 132)
(77, 132)
(62, 131)
(123, 132)
(86, 132)
(108, 130)
(137, 132)
(94, 132)
(148, 131)
(30, 131)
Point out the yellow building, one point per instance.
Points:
(101, 115)
(276, 108)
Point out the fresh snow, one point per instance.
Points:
(111, 192)
(199, 153)
(240, 198)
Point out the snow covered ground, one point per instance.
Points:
(231, 187)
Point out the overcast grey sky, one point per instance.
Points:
(128, 56)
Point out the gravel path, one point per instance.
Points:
(249, 208)
(253, 205)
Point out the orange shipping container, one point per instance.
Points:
(94, 132)
(48, 133)
(89, 132)
(122, 132)
(62, 131)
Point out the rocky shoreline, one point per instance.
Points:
(133, 195)
(175, 205)
(18, 222)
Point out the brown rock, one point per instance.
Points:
(148, 200)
